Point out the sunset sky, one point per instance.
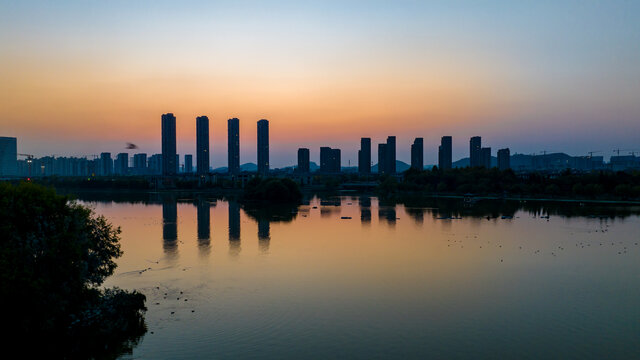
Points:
(80, 78)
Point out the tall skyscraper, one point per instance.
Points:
(325, 159)
(445, 156)
(263, 147)
(188, 163)
(382, 156)
(303, 161)
(390, 155)
(202, 146)
(485, 157)
(8, 156)
(504, 159)
(336, 160)
(475, 144)
(364, 156)
(417, 154)
(121, 165)
(233, 144)
(169, 165)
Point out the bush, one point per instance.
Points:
(273, 190)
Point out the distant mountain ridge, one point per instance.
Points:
(401, 166)
(243, 167)
(518, 161)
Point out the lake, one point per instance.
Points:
(352, 277)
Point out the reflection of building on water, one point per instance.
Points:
(417, 214)
(264, 228)
(204, 224)
(329, 207)
(365, 209)
(170, 225)
(234, 228)
(387, 213)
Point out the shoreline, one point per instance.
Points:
(217, 192)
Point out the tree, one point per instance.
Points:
(54, 255)
(272, 190)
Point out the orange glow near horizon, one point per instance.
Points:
(81, 79)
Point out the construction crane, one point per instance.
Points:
(29, 161)
(617, 151)
(593, 152)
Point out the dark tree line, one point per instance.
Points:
(482, 181)
(272, 190)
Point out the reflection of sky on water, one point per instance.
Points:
(335, 279)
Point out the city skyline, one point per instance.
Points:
(138, 164)
(346, 71)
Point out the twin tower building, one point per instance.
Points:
(170, 157)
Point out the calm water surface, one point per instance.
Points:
(347, 277)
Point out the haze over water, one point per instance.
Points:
(350, 278)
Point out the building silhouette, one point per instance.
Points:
(188, 163)
(417, 154)
(364, 156)
(504, 159)
(330, 161)
(445, 154)
(390, 155)
(475, 146)
(325, 159)
(387, 156)
(8, 156)
(121, 165)
(202, 146)
(263, 147)
(303, 161)
(382, 153)
(485, 157)
(140, 164)
(169, 165)
(155, 164)
(106, 164)
(233, 144)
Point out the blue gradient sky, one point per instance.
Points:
(85, 77)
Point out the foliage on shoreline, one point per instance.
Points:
(481, 181)
(78, 182)
(54, 255)
(272, 190)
